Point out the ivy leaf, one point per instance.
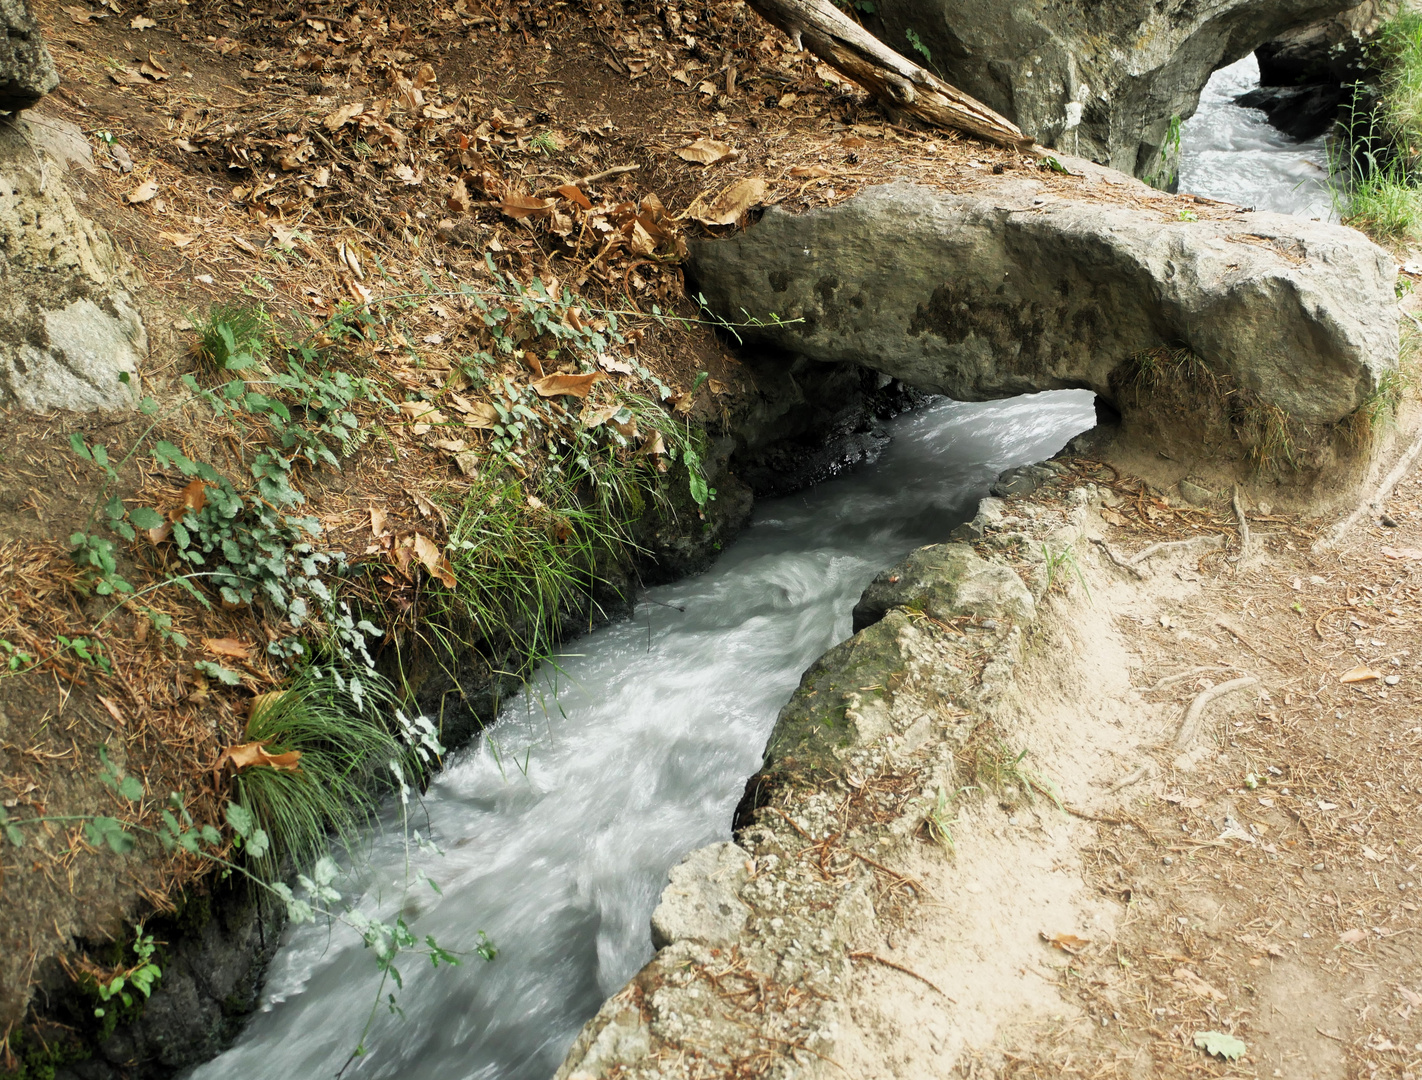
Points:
(106, 830)
(240, 819)
(1220, 1044)
(226, 676)
(258, 844)
(146, 518)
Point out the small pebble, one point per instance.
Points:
(1319, 867)
(1393, 680)
(1389, 521)
(1168, 861)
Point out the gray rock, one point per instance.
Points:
(1326, 52)
(946, 580)
(982, 299)
(26, 70)
(702, 901)
(1300, 112)
(71, 336)
(1198, 492)
(1107, 81)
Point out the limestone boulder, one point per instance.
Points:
(944, 581)
(26, 69)
(701, 902)
(71, 335)
(1108, 81)
(1017, 290)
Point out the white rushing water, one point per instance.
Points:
(560, 826)
(1233, 153)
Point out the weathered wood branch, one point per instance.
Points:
(820, 27)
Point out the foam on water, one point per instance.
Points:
(559, 827)
(1233, 153)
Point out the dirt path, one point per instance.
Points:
(1258, 882)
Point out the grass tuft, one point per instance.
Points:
(343, 750)
(233, 336)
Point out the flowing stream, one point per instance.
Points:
(1232, 153)
(558, 828)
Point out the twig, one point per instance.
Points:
(1107, 819)
(1189, 726)
(1383, 490)
(1133, 777)
(900, 967)
(1171, 680)
(1116, 559)
(606, 174)
(1162, 548)
(914, 882)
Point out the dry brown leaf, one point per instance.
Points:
(707, 152)
(1112, 517)
(1068, 943)
(141, 22)
(728, 207)
(810, 171)
(459, 200)
(591, 417)
(1401, 553)
(81, 16)
(522, 206)
(143, 192)
(343, 116)
(574, 195)
(377, 522)
(1352, 937)
(254, 754)
(481, 414)
(237, 650)
(178, 239)
(1361, 673)
(617, 367)
(427, 508)
(572, 385)
(112, 706)
(434, 560)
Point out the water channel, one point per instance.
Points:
(558, 828)
(1233, 153)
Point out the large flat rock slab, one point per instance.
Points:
(982, 296)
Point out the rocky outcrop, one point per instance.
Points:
(71, 336)
(1300, 112)
(1108, 81)
(26, 70)
(1328, 52)
(1192, 330)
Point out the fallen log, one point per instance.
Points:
(820, 27)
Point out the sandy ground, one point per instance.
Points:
(1257, 882)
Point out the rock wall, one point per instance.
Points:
(71, 336)
(1016, 290)
(26, 70)
(1107, 81)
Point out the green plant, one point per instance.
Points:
(916, 43)
(15, 659)
(545, 142)
(939, 823)
(1055, 562)
(140, 977)
(342, 748)
(1188, 215)
(234, 337)
(1164, 175)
